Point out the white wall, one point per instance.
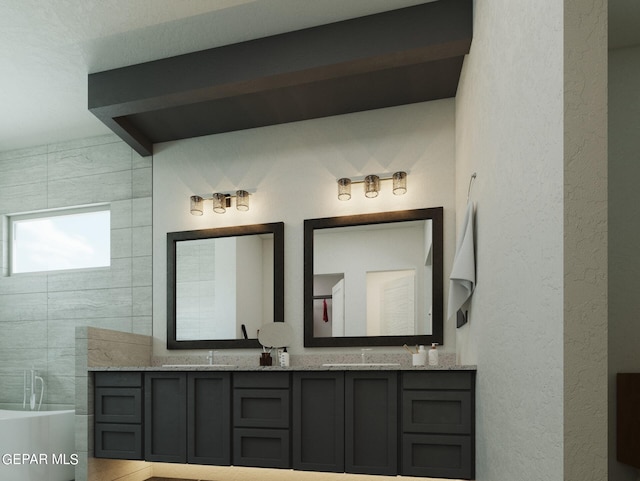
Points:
(293, 169)
(585, 240)
(530, 122)
(624, 231)
(249, 280)
(509, 130)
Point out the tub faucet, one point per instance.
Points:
(29, 391)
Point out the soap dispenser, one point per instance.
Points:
(420, 357)
(284, 358)
(433, 355)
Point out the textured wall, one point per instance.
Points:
(585, 240)
(39, 312)
(624, 231)
(293, 168)
(509, 129)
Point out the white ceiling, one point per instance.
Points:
(47, 48)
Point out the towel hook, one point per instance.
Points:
(473, 176)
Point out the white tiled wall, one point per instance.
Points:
(39, 312)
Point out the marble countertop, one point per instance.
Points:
(342, 361)
(351, 367)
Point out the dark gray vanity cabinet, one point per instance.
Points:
(261, 419)
(118, 415)
(209, 418)
(438, 424)
(318, 421)
(187, 417)
(414, 422)
(165, 419)
(371, 422)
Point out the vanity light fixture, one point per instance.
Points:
(344, 189)
(372, 185)
(400, 183)
(242, 200)
(221, 201)
(197, 204)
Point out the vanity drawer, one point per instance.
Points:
(265, 448)
(118, 441)
(447, 412)
(118, 379)
(118, 405)
(437, 456)
(261, 380)
(261, 408)
(438, 380)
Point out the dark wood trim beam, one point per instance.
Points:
(398, 39)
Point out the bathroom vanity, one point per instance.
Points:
(407, 421)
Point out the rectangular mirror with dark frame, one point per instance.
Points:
(223, 284)
(374, 279)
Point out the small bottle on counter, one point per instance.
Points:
(419, 358)
(284, 358)
(433, 355)
(265, 359)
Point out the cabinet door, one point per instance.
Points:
(118, 441)
(262, 448)
(444, 412)
(437, 456)
(118, 405)
(318, 421)
(209, 418)
(165, 417)
(261, 408)
(371, 428)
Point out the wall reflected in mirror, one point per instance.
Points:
(224, 287)
(223, 284)
(374, 279)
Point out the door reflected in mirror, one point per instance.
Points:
(374, 279)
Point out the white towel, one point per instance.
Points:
(463, 275)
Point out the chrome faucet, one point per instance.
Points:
(364, 351)
(29, 398)
(210, 358)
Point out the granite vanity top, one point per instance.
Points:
(353, 367)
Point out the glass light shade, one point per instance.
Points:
(371, 186)
(344, 189)
(242, 200)
(219, 203)
(400, 183)
(196, 205)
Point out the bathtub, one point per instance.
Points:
(37, 445)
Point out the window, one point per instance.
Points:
(77, 238)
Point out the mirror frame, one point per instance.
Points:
(435, 214)
(275, 228)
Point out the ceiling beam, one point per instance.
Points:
(391, 58)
